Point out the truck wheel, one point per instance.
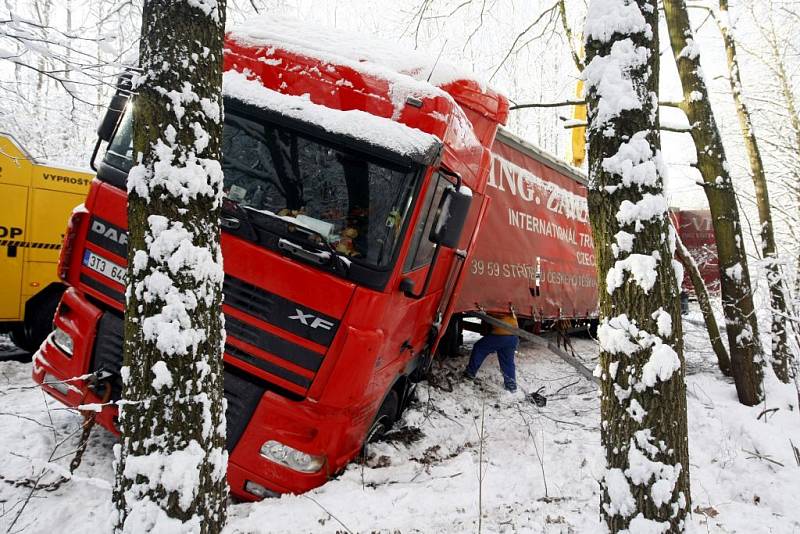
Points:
(385, 418)
(19, 337)
(38, 322)
(452, 339)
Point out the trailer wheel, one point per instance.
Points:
(384, 419)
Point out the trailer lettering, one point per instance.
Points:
(571, 279)
(503, 270)
(531, 188)
(532, 223)
(585, 258)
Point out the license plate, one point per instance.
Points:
(105, 267)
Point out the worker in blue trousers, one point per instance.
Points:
(504, 343)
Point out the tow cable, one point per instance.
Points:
(89, 420)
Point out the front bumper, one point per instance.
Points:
(304, 425)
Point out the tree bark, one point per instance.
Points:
(700, 290)
(781, 353)
(737, 296)
(171, 466)
(643, 394)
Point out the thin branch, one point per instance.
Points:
(520, 36)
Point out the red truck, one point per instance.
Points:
(366, 210)
(697, 234)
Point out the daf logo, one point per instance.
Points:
(311, 320)
(110, 233)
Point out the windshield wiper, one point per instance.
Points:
(296, 239)
(236, 218)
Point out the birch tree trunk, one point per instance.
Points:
(643, 400)
(737, 296)
(781, 353)
(171, 465)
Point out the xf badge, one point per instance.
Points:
(311, 320)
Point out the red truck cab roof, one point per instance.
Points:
(367, 75)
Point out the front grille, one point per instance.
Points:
(243, 396)
(283, 313)
(278, 346)
(292, 378)
(108, 351)
(242, 392)
(103, 288)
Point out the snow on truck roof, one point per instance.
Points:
(377, 71)
(369, 54)
(372, 129)
(408, 72)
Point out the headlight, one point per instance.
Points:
(291, 458)
(62, 340)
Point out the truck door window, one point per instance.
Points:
(421, 250)
(120, 149)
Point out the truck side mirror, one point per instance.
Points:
(109, 123)
(450, 218)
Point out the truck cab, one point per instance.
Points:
(354, 196)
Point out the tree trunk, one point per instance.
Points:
(171, 466)
(703, 300)
(781, 352)
(643, 400)
(737, 296)
(778, 67)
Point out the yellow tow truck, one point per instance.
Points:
(36, 200)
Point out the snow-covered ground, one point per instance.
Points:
(539, 466)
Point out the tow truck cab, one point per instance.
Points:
(354, 197)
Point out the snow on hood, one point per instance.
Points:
(377, 131)
(364, 53)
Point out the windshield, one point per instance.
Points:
(358, 204)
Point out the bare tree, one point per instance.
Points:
(781, 58)
(643, 402)
(172, 460)
(781, 353)
(737, 295)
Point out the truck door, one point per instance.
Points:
(412, 317)
(14, 184)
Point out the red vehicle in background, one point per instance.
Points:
(366, 208)
(697, 234)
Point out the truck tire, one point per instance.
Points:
(384, 419)
(452, 339)
(38, 323)
(19, 337)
